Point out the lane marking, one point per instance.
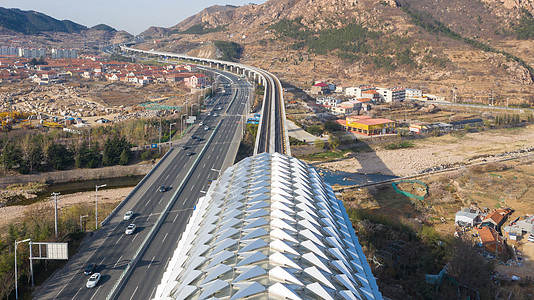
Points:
(135, 235)
(164, 237)
(160, 200)
(175, 217)
(134, 292)
(151, 262)
(76, 293)
(95, 293)
(153, 290)
(167, 177)
(148, 217)
(117, 261)
(119, 239)
(101, 261)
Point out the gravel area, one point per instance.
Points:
(439, 152)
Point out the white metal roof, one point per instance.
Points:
(269, 228)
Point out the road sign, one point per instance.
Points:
(49, 251)
(154, 146)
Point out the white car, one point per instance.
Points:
(214, 114)
(93, 280)
(201, 123)
(128, 215)
(531, 238)
(130, 229)
(206, 127)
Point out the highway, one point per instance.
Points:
(113, 251)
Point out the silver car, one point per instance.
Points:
(130, 229)
(93, 280)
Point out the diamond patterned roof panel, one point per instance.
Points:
(268, 228)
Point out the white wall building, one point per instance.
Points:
(64, 53)
(268, 228)
(6, 50)
(413, 93)
(390, 95)
(32, 52)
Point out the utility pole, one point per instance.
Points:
(55, 214)
(96, 204)
(159, 145)
(170, 132)
(81, 224)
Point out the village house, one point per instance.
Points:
(320, 88)
(496, 218)
(491, 240)
(467, 217)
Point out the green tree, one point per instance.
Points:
(319, 144)
(124, 158)
(333, 141)
(58, 156)
(11, 155)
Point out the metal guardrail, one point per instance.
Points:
(106, 220)
(150, 235)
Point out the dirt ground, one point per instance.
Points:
(11, 214)
(436, 151)
(527, 269)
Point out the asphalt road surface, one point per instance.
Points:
(111, 249)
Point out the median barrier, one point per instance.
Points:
(157, 225)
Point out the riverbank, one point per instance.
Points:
(11, 214)
(79, 174)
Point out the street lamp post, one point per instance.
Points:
(170, 133)
(16, 274)
(96, 204)
(55, 214)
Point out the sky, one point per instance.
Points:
(134, 16)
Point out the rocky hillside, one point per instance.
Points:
(32, 22)
(473, 46)
(46, 31)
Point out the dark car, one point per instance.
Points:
(163, 188)
(90, 269)
(193, 137)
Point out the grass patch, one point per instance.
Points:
(401, 145)
(324, 156)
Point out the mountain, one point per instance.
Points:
(31, 22)
(104, 27)
(473, 46)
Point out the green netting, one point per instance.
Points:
(424, 188)
(155, 106)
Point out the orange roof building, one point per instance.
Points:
(491, 240)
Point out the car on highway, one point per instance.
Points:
(201, 123)
(219, 108)
(206, 127)
(193, 137)
(215, 114)
(189, 153)
(90, 269)
(531, 238)
(209, 114)
(185, 147)
(128, 215)
(163, 188)
(93, 280)
(130, 229)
